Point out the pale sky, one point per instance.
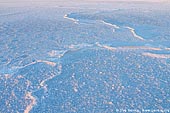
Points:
(63, 2)
(75, 0)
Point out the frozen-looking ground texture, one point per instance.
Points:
(85, 57)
